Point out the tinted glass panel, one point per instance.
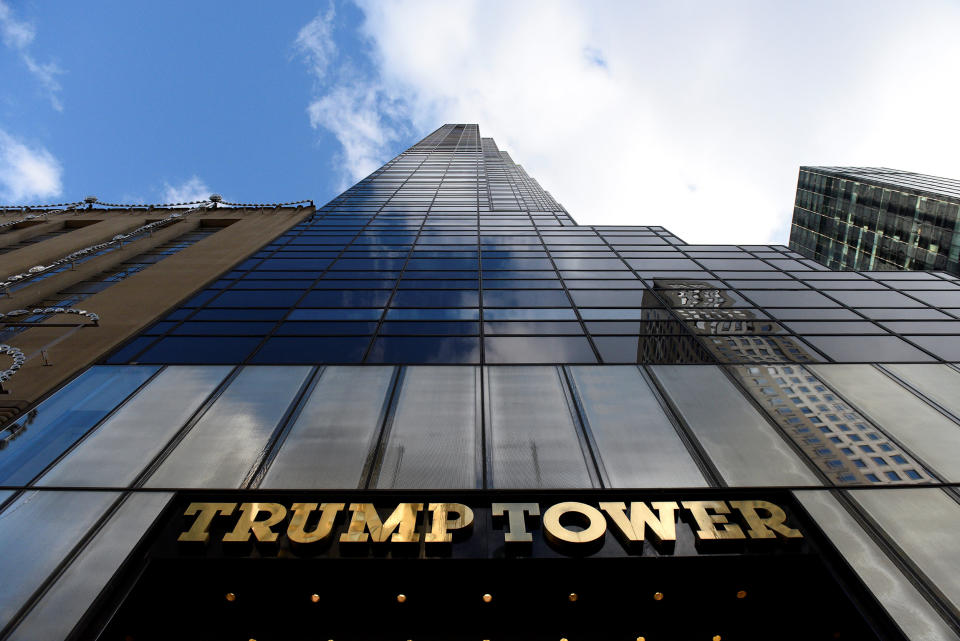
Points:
(525, 298)
(410, 349)
(313, 349)
(533, 438)
(55, 522)
(742, 445)
(229, 439)
(858, 349)
(434, 432)
(928, 434)
(62, 605)
(539, 349)
(47, 431)
(125, 443)
(901, 599)
(344, 298)
(329, 443)
(637, 443)
(923, 523)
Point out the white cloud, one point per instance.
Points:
(619, 108)
(18, 36)
(315, 42)
(190, 190)
(359, 116)
(26, 173)
(355, 108)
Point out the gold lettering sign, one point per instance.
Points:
(443, 525)
(633, 528)
(708, 522)
(248, 522)
(301, 512)
(568, 523)
(590, 519)
(768, 527)
(206, 511)
(516, 520)
(365, 518)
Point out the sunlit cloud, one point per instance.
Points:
(189, 190)
(18, 35)
(315, 42)
(691, 117)
(352, 105)
(26, 173)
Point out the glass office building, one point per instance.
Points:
(439, 408)
(870, 218)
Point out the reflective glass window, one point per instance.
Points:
(771, 298)
(345, 298)
(330, 440)
(240, 328)
(912, 612)
(945, 347)
(495, 314)
(835, 327)
(430, 327)
(859, 349)
(61, 607)
(434, 433)
(525, 298)
(532, 327)
(637, 443)
(406, 314)
(311, 349)
(937, 382)
(256, 298)
(308, 328)
(228, 440)
(874, 299)
(39, 529)
(928, 434)
(741, 444)
(37, 439)
(416, 349)
(923, 522)
(622, 349)
(538, 349)
(435, 298)
(205, 349)
(590, 263)
(615, 298)
(533, 437)
(120, 448)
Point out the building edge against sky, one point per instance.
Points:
(445, 331)
(875, 218)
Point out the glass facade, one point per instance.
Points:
(869, 218)
(446, 325)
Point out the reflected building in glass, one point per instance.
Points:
(873, 218)
(444, 330)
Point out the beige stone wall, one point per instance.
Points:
(131, 304)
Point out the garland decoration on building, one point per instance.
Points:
(38, 270)
(42, 215)
(91, 200)
(18, 361)
(18, 357)
(212, 202)
(36, 311)
(4, 209)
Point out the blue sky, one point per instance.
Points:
(153, 95)
(690, 115)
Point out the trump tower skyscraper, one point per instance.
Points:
(436, 407)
